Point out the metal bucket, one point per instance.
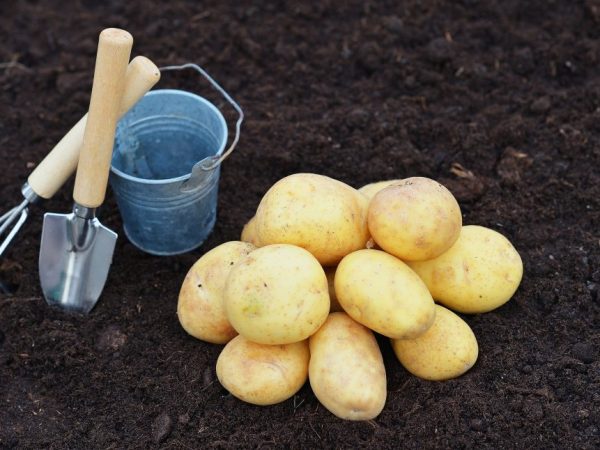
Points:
(166, 165)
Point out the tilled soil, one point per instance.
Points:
(497, 100)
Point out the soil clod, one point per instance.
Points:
(111, 339)
(439, 50)
(585, 352)
(477, 425)
(394, 24)
(541, 105)
(162, 427)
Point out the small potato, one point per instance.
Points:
(447, 350)
(479, 273)
(200, 306)
(346, 370)
(263, 374)
(384, 294)
(335, 304)
(277, 295)
(373, 188)
(249, 233)
(415, 220)
(315, 212)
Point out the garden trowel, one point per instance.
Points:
(76, 249)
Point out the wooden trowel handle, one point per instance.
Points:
(61, 162)
(114, 48)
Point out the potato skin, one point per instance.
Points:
(200, 306)
(315, 212)
(263, 374)
(346, 370)
(249, 232)
(373, 188)
(384, 294)
(416, 219)
(277, 295)
(479, 273)
(447, 350)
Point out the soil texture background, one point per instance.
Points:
(500, 101)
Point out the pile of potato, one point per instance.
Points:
(321, 266)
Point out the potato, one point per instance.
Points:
(479, 273)
(315, 212)
(249, 232)
(369, 191)
(277, 295)
(346, 370)
(263, 374)
(373, 188)
(384, 294)
(335, 304)
(447, 350)
(415, 220)
(200, 306)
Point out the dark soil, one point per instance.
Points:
(498, 100)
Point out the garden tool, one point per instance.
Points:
(76, 249)
(60, 163)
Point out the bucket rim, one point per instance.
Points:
(197, 97)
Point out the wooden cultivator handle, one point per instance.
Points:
(114, 48)
(54, 170)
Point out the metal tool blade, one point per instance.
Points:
(75, 257)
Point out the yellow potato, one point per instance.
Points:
(479, 273)
(249, 232)
(335, 304)
(315, 212)
(277, 295)
(415, 220)
(346, 370)
(447, 350)
(263, 374)
(200, 306)
(373, 188)
(384, 294)
(369, 192)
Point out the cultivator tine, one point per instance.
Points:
(14, 218)
(6, 219)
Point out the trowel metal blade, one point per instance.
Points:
(73, 276)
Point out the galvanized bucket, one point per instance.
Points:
(166, 165)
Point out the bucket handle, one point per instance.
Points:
(208, 164)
